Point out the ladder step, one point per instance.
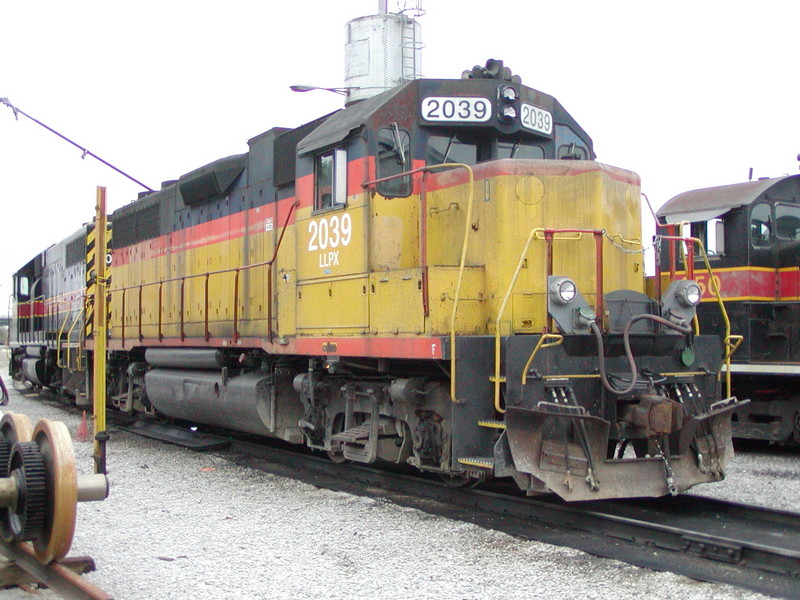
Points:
(353, 435)
(484, 462)
(492, 424)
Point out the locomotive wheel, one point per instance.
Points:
(459, 481)
(336, 457)
(16, 428)
(23, 521)
(55, 446)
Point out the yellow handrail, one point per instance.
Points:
(58, 339)
(557, 339)
(462, 263)
(729, 340)
(497, 379)
(732, 343)
(78, 319)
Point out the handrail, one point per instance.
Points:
(557, 339)
(139, 288)
(732, 343)
(549, 235)
(60, 333)
(69, 334)
(497, 379)
(423, 244)
(714, 287)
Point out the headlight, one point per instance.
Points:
(508, 112)
(509, 94)
(689, 294)
(563, 290)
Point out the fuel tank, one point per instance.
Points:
(242, 403)
(35, 370)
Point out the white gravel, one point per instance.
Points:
(180, 524)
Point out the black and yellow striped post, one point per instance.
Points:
(99, 331)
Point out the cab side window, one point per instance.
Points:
(451, 149)
(394, 158)
(761, 226)
(787, 222)
(330, 179)
(569, 145)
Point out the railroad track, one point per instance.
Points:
(709, 540)
(62, 576)
(705, 539)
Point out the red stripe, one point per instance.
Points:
(540, 168)
(789, 283)
(777, 284)
(412, 348)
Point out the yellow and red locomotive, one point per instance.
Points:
(440, 275)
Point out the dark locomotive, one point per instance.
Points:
(752, 232)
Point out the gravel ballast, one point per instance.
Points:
(181, 524)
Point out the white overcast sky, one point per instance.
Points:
(688, 94)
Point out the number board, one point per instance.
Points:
(536, 119)
(456, 109)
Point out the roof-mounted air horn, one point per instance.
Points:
(494, 69)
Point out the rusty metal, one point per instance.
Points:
(548, 237)
(160, 306)
(207, 334)
(598, 248)
(236, 306)
(183, 308)
(423, 242)
(122, 314)
(141, 336)
(56, 575)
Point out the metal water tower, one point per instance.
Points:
(382, 50)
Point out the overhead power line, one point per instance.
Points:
(86, 152)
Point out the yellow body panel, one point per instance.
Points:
(507, 208)
(362, 269)
(396, 304)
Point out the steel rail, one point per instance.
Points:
(610, 529)
(56, 576)
(710, 540)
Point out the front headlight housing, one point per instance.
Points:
(689, 294)
(563, 290)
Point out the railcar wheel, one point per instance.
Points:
(16, 428)
(55, 445)
(23, 521)
(459, 481)
(336, 457)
